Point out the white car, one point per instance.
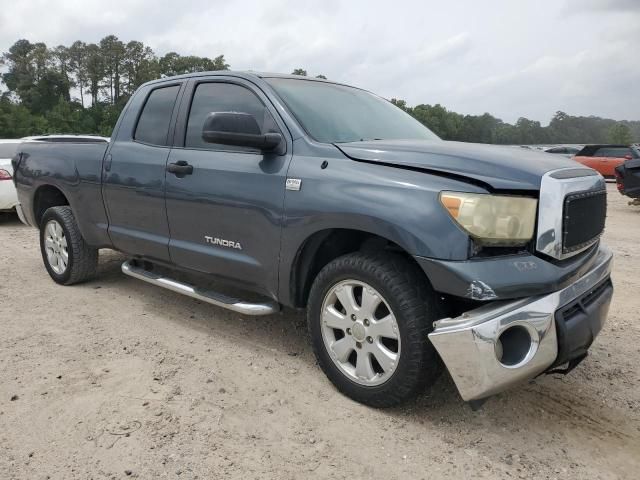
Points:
(8, 197)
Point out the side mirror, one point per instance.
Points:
(240, 129)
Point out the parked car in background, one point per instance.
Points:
(8, 196)
(605, 158)
(567, 151)
(628, 180)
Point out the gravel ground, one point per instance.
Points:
(115, 378)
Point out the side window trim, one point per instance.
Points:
(180, 133)
(172, 120)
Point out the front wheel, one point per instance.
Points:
(66, 255)
(369, 316)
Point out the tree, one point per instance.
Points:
(20, 77)
(401, 104)
(299, 71)
(113, 54)
(62, 57)
(78, 66)
(620, 133)
(95, 69)
(140, 66)
(174, 64)
(321, 76)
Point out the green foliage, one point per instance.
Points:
(81, 88)
(175, 64)
(486, 128)
(619, 133)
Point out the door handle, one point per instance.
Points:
(180, 168)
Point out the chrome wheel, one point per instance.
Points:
(360, 332)
(55, 244)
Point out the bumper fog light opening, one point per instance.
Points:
(515, 346)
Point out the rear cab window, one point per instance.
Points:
(155, 118)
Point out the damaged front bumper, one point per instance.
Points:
(502, 343)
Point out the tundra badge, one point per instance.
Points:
(222, 242)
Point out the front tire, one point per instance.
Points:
(368, 318)
(66, 255)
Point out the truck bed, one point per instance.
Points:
(74, 167)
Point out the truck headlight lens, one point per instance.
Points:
(493, 220)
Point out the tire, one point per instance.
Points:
(407, 296)
(60, 239)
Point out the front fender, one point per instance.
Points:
(399, 205)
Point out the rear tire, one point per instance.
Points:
(394, 310)
(66, 255)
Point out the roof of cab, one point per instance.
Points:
(240, 74)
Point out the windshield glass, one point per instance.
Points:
(333, 113)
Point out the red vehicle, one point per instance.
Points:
(605, 158)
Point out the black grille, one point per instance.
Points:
(583, 219)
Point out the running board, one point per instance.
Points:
(264, 308)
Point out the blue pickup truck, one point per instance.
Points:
(411, 255)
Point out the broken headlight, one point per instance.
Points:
(493, 220)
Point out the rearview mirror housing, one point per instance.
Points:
(239, 129)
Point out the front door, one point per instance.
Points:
(225, 208)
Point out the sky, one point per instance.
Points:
(511, 58)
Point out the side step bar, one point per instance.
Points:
(264, 308)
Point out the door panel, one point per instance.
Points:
(133, 192)
(225, 218)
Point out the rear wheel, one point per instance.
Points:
(369, 316)
(66, 255)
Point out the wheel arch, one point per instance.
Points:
(45, 197)
(323, 246)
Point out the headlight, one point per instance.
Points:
(493, 220)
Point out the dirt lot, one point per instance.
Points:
(117, 379)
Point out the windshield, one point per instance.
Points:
(333, 113)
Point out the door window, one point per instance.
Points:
(153, 124)
(615, 152)
(224, 97)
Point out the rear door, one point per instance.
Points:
(134, 173)
(226, 216)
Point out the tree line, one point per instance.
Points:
(563, 128)
(82, 87)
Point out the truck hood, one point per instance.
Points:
(499, 167)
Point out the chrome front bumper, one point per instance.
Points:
(469, 344)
